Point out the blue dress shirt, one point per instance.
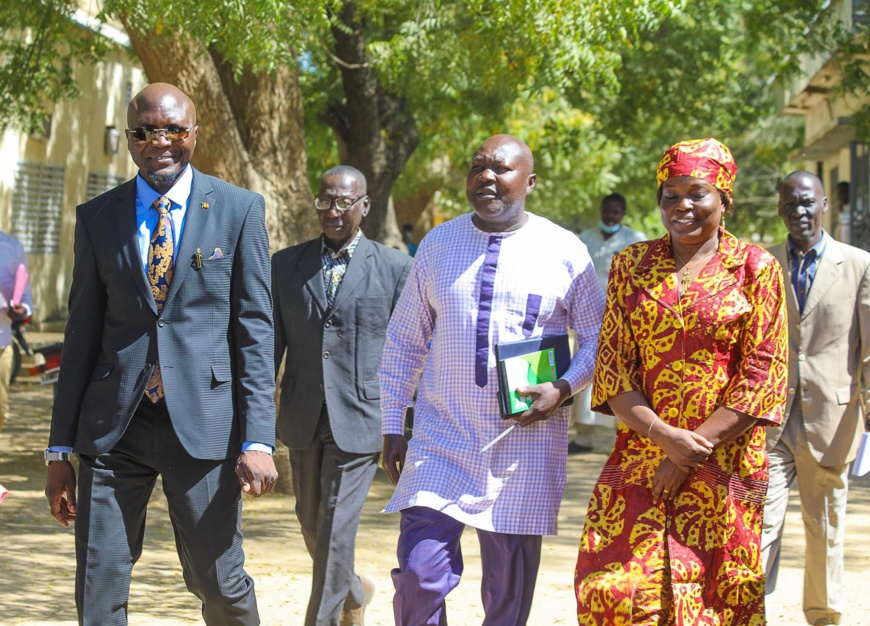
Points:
(803, 268)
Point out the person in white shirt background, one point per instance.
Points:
(12, 256)
(603, 241)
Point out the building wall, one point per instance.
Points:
(829, 134)
(836, 161)
(75, 142)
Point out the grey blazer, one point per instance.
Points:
(333, 355)
(214, 338)
(829, 352)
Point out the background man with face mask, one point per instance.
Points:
(603, 241)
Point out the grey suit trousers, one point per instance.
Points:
(331, 486)
(823, 492)
(205, 507)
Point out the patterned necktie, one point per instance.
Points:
(159, 276)
(803, 275)
(336, 275)
(484, 308)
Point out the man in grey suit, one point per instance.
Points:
(167, 370)
(829, 370)
(333, 299)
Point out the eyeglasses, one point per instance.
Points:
(342, 204)
(172, 133)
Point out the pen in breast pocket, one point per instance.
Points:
(499, 438)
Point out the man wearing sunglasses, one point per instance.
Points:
(333, 299)
(167, 370)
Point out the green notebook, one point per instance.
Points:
(529, 362)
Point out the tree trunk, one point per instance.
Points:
(251, 132)
(379, 133)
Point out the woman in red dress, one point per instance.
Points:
(692, 358)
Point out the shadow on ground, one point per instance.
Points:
(38, 563)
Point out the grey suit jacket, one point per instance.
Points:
(829, 352)
(214, 337)
(333, 355)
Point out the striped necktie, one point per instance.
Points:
(159, 276)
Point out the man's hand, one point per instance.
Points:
(256, 472)
(667, 481)
(547, 398)
(395, 449)
(60, 489)
(685, 448)
(16, 311)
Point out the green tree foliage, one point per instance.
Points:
(665, 74)
(635, 84)
(598, 88)
(39, 43)
(704, 71)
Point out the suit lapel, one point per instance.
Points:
(827, 273)
(357, 268)
(312, 273)
(195, 220)
(780, 251)
(124, 210)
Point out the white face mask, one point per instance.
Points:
(609, 230)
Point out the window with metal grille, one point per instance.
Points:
(99, 182)
(37, 200)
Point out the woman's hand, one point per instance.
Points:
(686, 449)
(667, 481)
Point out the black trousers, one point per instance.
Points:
(205, 508)
(331, 487)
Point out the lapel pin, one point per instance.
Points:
(205, 205)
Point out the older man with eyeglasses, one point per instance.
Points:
(333, 298)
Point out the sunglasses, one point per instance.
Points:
(172, 133)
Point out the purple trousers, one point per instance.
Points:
(430, 566)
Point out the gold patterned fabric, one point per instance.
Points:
(159, 277)
(708, 159)
(695, 559)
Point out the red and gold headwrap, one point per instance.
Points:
(702, 158)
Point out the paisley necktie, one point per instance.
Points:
(159, 276)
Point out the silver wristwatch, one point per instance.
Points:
(55, 456)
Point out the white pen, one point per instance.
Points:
(499, 438)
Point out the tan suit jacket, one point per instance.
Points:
(829, 352)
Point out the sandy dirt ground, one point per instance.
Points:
(37, 560)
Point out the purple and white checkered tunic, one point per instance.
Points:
(544, 282)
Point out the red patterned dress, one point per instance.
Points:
(695, 559)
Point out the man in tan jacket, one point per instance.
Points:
(828, 298)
